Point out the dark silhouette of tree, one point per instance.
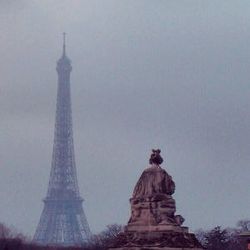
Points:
(219, 239)
(234, 242)
(216, 239)
(201, 235)
(105, 238)
(244, 225)
(5, 232)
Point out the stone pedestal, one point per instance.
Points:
(153, 223)
(245, 240)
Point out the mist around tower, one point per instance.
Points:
(88, 89)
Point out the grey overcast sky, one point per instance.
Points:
(173, 74)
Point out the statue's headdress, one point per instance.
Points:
(155, 157)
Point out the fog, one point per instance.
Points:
(146, 74)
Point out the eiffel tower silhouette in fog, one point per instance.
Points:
(63, 221)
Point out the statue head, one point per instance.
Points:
(155, 157)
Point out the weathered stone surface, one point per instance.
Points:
(153, 240)
(153, 223)
(152, 203)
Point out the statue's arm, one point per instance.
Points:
(170, 184)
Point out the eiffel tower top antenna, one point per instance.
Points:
(64, 43)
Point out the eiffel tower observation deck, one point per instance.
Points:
(63, 221)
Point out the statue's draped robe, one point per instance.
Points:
(154, 180)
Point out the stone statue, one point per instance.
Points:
(153, 223)
(152, 203)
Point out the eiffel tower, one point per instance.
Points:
(63, 221)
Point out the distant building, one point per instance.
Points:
(63, 221)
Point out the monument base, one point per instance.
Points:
(156, 240)
(156, 248)
(156, 228)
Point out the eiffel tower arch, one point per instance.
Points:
(63, 221)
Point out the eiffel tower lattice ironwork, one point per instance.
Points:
(63, 221)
